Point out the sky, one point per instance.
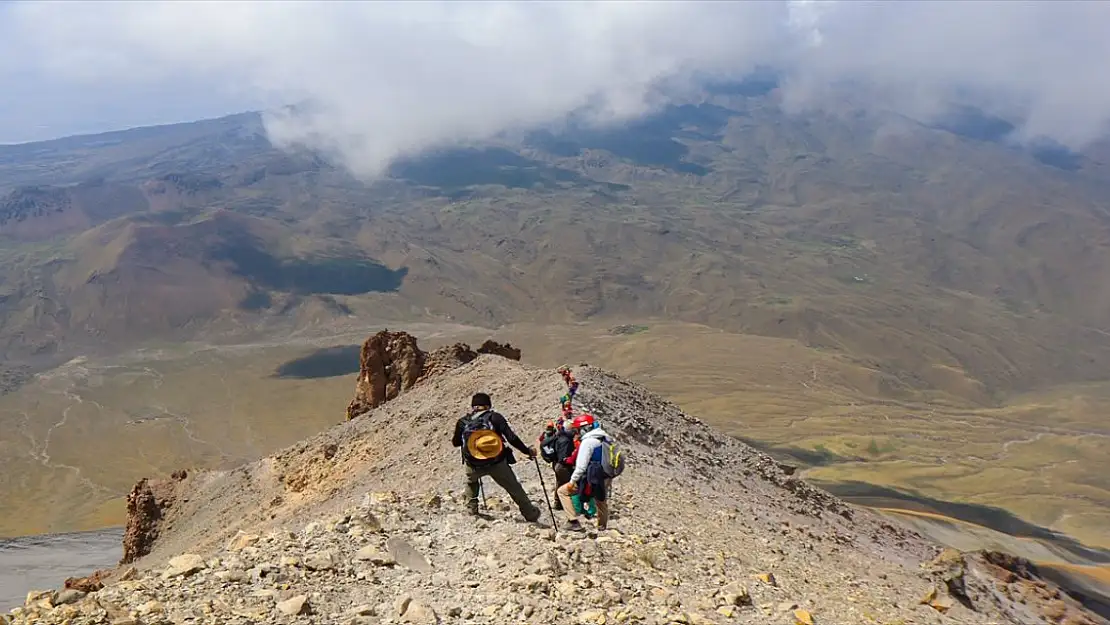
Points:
(386, 80)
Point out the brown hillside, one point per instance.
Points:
(940, 261)
(363, 523)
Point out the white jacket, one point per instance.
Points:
(590, 441)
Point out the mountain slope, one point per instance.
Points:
(706, 530)
(941, 259)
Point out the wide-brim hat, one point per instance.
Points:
(484, 446)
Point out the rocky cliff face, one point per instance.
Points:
(146, 503)
(366, 524)
(391, 363)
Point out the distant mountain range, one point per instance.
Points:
(936, 253)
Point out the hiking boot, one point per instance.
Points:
(575, 526)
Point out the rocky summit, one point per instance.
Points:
(366, 523)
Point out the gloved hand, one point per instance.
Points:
(531, 453)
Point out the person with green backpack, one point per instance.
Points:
(598, 461)
(481, 434)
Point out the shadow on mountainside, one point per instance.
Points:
(327, 362)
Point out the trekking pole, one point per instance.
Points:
(482, 490)
(554, 523)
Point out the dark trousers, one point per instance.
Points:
(503, 474)
(562, 476)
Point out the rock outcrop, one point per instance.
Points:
(704, 530)
(391, 363)
(497, 349)
(445, 359)
(146, 505)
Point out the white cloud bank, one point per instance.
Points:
(389, 79)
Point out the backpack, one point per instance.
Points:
(481, 443)
(547, 448)
(612, 458)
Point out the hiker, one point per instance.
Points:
(557, 446)
(572, 384)
(568, 410)
(583, 505)
(588, 479)
(482, 434)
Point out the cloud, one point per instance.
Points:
(383, 80)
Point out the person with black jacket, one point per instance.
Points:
(560, 442)
(481, 434)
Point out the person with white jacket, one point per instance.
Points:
(588, 478)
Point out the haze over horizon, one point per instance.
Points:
(389, 80)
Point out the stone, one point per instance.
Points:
(242, 540)
(294, 605)
(407, 555)
(183, 565)
(150, 607)
(735, 594)
(803, 617)
(767, 578)
(591, 617)
(401, 604)
(36, 596)
(942, 604)
(320, 561)
(231, 575)
(531, 582)
(375, 556)
(419, 614)
(90, 583)
(364, 610)
(69, 595)
(370, 523)
(929, 596)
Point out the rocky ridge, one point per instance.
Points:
(365, 524)
(391, 363)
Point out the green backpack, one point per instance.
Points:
(612, 458)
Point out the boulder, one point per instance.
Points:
(89, 583)
(183, 565)
(294, 605)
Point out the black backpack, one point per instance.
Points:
(479, 437)
(547, 448)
